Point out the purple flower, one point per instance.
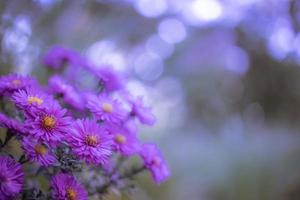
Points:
(14, 82)
(11, 178)
(12, 124)
(125, 142)
(143, 113)
(65, 187)
(90, 142)
(70, 96)
(32, 98)
(110, 79)
(49, 126)
(58, 57)
(131, 126)
(154, 162)
(106, 109)
(38, 152)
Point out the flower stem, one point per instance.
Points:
(132, 173)
(23, 159)
(128, 175)
(8, 136)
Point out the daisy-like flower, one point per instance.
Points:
(58, 57)
(32, 98)
(66, 187)
(106, 109)
(13, 125)
(90, 142)
(11, 178)
(38, 152)
(142, 112)
(49, 126)
(70, 96)
(125, 141)
(110, 79)
(154, 162)
(14, 82)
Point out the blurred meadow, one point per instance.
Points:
(223, 78)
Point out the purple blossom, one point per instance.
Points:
(131, 126)
(58, 57)
(12, 124)
(11, 178)
(38, 152)
(125, 142)
(49, 126)
(62, 89)
(65, 187)
(90, 142)
(32, 99)
(14, 82)
(106, 109)
(154, 162)
(109, 79)
(142, 112)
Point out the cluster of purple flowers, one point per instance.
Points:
(63, 124)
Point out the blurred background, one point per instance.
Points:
(223, 77)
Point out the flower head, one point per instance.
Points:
(38, 152)
(57, 57)
(110, 79)
(90, 142)
(125, 141)
(62, 89)
(11, 178)
(48, 126)
(142, 112)
(32, 98)
(154, 162)
(12, 124)
(106, 109)
(65, 187)
(14, 82)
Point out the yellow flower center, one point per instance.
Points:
(32, 99)
(91, 140)
(107, 107)
(16, 82)
(40, 149)
(71, 194)
(49, 122)
(120, 139)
